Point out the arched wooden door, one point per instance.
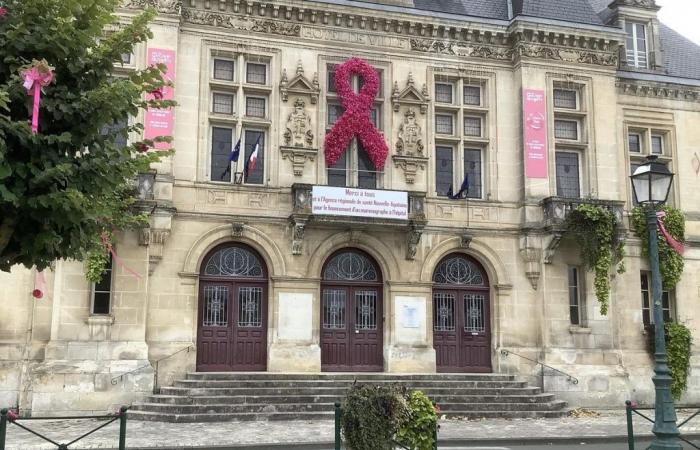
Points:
(232, 319)
(351, 313)
(461, 315)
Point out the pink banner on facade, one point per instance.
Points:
(159, 122)
(535, 133)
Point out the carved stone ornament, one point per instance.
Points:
(242, 23)
(649, 4)
(530, 252)
(300, 85)
(162, 6)
(237, 229)
(413, 236)
(410, 95)
(409, 147)
(465, 239)
(298, 132)
(298, 226)
(155, 240)
(298, 139)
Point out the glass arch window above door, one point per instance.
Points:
(458, 269)
(234, 262)
(350, 266)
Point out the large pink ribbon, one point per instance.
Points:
(355, 121)
(675, 245)
(36, 77)
(115, 257)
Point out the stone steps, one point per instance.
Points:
(217, 396)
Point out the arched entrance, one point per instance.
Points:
(232, 318)
(461, 315)
(351, 313)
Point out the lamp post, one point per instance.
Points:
(651, 183)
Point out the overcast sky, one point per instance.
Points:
(683, 16)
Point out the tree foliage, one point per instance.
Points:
(62, 188)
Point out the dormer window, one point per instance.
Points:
(636, 45)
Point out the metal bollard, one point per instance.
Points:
(435, 431)
(122, 428)
(630, 428)
(3, 428)
(337, 426)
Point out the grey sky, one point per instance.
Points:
(682, 16)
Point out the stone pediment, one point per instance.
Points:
(410, 95)
(299, 85)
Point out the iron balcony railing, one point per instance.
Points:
(557, 209)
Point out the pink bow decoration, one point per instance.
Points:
(115, 257)
(39, 285)
(36, 77)
(355, 120)
(672, 242)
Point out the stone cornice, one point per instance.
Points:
(658, 90)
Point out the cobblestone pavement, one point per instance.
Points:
(171, 435)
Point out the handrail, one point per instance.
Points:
(120, 377)
(570, 378)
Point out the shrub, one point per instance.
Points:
(418, 432)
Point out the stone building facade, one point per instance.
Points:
(239, 271)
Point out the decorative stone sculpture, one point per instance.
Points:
(298, 133)
(410, 140)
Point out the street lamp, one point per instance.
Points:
(651, 183)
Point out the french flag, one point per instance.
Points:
(253, 158)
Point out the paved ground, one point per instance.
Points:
(318, 434)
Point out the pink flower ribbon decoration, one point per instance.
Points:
(672, 242)
(355, 121)
(39, 285)
(36, 77)
(115, 257)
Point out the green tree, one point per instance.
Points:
(62, 189)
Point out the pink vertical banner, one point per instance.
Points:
(535, 133)
(159, 122)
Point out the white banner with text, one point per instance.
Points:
(341, 201)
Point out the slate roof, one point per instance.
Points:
(681, 56)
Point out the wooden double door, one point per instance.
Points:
(351, 314)
(232, 316)
(461, 316)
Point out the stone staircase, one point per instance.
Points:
(213, 396)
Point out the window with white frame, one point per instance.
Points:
(636, 47)
(101, 303)
(354, 168)
(239, 111)
(461, 136)
(643, 141)
(667, 301)
(568, 174)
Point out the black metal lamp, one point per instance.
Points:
(651, 183)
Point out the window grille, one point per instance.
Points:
(366, 310)
(443, 92)
(475, 313)
(215, 306)
(255, 107)
(567, 170)
(472, 126)
(443, 124)
(458, 270)
(565, 98)
(256, 73)
(334, 309)
(250, 307)
(223, 103)
(350, 266)
(472, 95)
(566, 129)
(223, 69)
(234, 262)
(443, 312)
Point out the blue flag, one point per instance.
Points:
(232, 157)
(463, 190)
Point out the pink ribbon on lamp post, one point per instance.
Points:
(36, 77)
(672, 242)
